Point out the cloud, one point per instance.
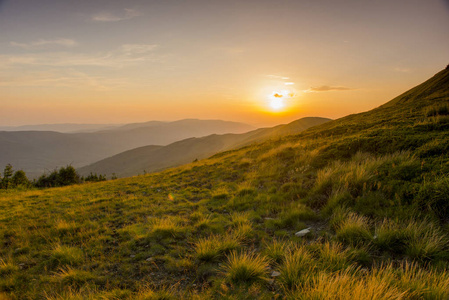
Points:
(130, 49)
(284, 94)
(68, 43)
(289, 83)
(277, 77)
(326, 88)
(126, 14)
(63, 78)
(126, 55)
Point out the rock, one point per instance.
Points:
(275, 274)
(303, 232)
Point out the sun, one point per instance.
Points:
(277, 104)
(280, 100)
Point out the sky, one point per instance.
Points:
(263, 62)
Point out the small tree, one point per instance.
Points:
(7, 174)
(20, 179)
(68, 176)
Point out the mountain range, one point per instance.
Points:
(39, 151)
(155, 158)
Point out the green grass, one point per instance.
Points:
(215, 247)
(354, 230)
(297, 268)
(373, 187)
(245, 268)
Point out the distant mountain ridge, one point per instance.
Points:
(154, 158)
(62, 128)
(38, 151)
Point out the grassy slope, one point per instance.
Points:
(373, 188)
(154, 158)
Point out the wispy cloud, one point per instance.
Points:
(68, 43)
(280, 78)
(125, 55)
(131, 49)
(326, 88)
(105, 16)
(68, 69)
(277, 77)
(63, 78)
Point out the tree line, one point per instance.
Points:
(57, 178)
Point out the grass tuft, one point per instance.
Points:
(245, 268)
(354, 230)
(63, 255)
(215, 247)
(297, 268)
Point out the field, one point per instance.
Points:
(372, 190)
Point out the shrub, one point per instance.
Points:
(20, 179)
(63, 177)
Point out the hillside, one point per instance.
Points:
(36, 152)
(355, 208)
(151, 158)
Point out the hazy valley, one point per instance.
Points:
(37, 152)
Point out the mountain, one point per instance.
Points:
(63, 128)
(39, 151)
(355, 208)
(153, 158)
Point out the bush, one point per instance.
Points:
(20, 179)
(63, 177)
(93, 177)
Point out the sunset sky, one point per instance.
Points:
(259, 62)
